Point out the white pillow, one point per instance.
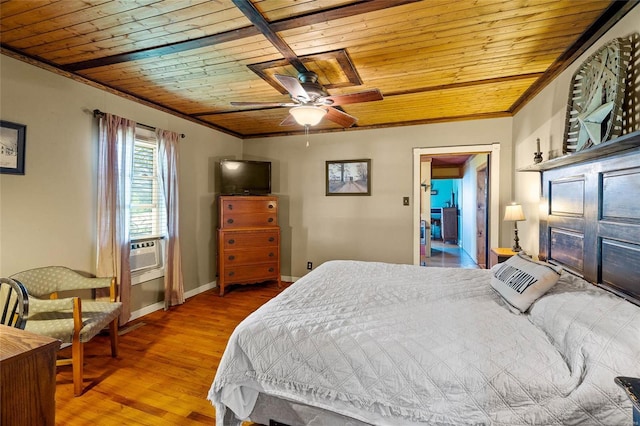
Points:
(521, 280)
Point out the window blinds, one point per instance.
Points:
(147, 209)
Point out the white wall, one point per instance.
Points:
(48, 216)
(318, 228)
(544, 118)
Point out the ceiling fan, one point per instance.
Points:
(311, 102)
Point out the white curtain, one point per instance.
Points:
(168, 169)
(115, 160)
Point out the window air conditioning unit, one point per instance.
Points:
(145, 255)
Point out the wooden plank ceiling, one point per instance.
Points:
(432, 60)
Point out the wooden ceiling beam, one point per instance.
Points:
(464, 84)
(163, 50)
(363, 6)
(329, 15)
(256, 18)
(388, 95)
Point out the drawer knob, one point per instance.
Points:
(230, 206)
(231, 273)
(232, 241)
(232, 257)
(270, 220)
(270, 206)
(271, 239)
(229, 220)
(271, 254)
(271, 269)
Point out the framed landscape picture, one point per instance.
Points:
(12, 138)
(349, 177)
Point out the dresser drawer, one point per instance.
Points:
(247, 239)
(249, 220)
(245, 205)
(250, 256)
(251, 273)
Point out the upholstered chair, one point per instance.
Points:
(73, 320)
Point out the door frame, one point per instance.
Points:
(494, 188)
(484, 169)
(425, 205)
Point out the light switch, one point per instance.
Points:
(405, 201)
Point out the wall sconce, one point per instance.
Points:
(308, 115)
(513, 213)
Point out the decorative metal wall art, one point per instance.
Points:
(596, 96)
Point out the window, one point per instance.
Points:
(148, 218)
(148, 215)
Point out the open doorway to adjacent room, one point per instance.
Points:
(455, 189)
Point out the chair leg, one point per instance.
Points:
(77, 362)
(113, 334)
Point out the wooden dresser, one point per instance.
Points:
(28, 377)
(248, 240)
(449, 220)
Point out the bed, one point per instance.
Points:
(356, 343)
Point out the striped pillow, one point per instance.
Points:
(522, 280)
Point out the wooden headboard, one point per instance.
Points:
(590, 215)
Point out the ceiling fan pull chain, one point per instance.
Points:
(306, 133)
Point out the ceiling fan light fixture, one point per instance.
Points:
(308, 115)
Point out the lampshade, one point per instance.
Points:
(307, 115)
(514, 213)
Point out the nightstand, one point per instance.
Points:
(499, 255)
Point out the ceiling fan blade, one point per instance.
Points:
(339, 117)
(352, 98)
(262, 104)
(294, 87)
(289, 121)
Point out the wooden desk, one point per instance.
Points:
(28, 376)
(499, 255)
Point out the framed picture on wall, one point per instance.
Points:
(348, 177)
(12, 140)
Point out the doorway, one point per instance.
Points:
(422, 208)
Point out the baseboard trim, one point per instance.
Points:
(160, 305)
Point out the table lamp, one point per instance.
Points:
(513, 213)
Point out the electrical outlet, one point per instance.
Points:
(405, 201)
(309, 265)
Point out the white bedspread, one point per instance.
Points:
(398, 344)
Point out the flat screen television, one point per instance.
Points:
(245, 177)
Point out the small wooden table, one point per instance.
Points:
(28, 376)
(499, 255)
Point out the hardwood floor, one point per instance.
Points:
(448, 255)
(165, 366)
